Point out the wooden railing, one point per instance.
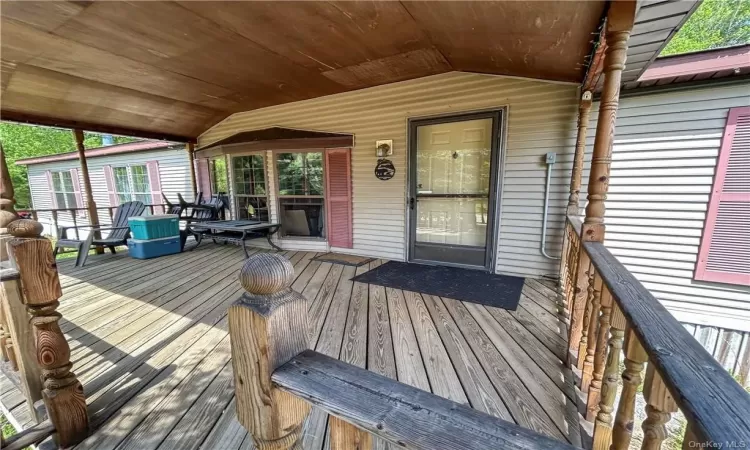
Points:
(36, 352)
(74, 215)
(623, 317)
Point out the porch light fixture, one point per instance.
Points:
(384, 148)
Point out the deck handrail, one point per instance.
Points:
(681, 373)
(399, 413)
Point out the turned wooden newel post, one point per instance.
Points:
(268, 327)
(62, 392)
(584, 113)
(620, 18)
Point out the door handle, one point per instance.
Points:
(411, 203)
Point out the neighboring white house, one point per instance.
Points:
(142, 170)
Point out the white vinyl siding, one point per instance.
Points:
(663, 163)
(174, 173)
(541, 118)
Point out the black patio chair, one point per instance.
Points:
(118, 234)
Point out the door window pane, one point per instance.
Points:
(453, 182)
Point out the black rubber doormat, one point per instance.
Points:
(500, 291)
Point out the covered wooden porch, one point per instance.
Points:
(389, 365)
(149, 342)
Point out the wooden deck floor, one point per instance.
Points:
(150, 344)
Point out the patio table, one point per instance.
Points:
(234, 231)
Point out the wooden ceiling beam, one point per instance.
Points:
(20, 117)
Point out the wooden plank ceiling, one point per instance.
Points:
(177, 68)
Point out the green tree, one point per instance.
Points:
(715, 24)
(26, 141)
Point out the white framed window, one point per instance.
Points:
(301, 191)
(62, 188)
(249, 187)
(132, 184)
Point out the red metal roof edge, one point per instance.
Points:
(698, 62)
(117, 149)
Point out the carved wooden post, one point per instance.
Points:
(191, 160)
(599, 354)
(620, 19)
(268, 327)
(635, 358)
(62, 394)
(659, 406)
(584, 112)
(603, 425)
(90, 204)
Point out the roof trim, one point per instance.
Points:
(273, 134)
(130, 147)
(20, 117)
(698, 62)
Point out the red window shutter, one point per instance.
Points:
(204, 178)
(51, 187)
(154, 181)
(339, 197)
(109, 178)
(725, 247)
(77, 192)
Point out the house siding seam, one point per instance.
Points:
(541, 118)
(174, 175)
(663, 164)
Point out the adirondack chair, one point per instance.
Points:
(206, 211)
(118, 233)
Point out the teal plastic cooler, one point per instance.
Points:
(154, 227)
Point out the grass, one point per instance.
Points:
(8, 429)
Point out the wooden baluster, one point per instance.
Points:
(62, 393)
(151, 208)
(55, 226)
(593, 336)
(582, 266)
(562, 302)
(659, 406)
(24, 348)
(591, 293)
(6, 338)
(595, 387)
(111, 210)
(635, 358)
(267, 328)
(73, 213)
(690, 441)
(603, 424)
